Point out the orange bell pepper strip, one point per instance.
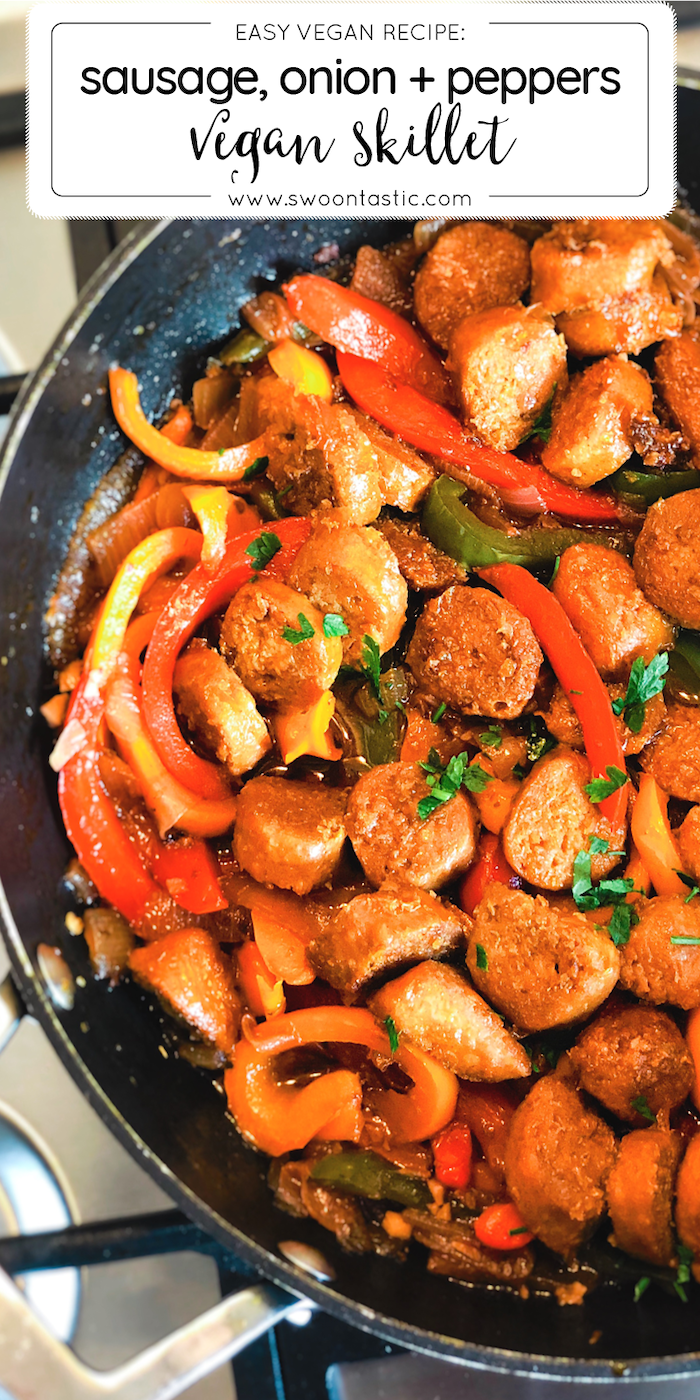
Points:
(692, 1036)
(179, 427)
(306, 371)
(636, 870)
(188, 969)
(654, 839)
(263, 995)
(306, 731)
(495, 802)
(411, 1117)
(228, 465)
(282, 951)
(501, 1226)
(54, 710)
(278, 1118)
(199, 595)
(363, 327)
(576, 673)
(172, 804)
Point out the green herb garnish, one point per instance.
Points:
(600, 788)
(519, 1230)
(335, 626)
(624, 917)
(493, 738)
(694, 889)
(390, 1026)
(685, 1259)
(644, 683)
(542, 426)
(256, 468)
(606, 893)
(539, 741)
(437, 716)
(555, 570)
(263, 549)
(685, 940)
(641, 1106)
(640, 1288)
(371, 665)
(304, 632)
(445, 780)
(482, 961)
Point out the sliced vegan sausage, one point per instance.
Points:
(507, 363)
(437, 1009)
(404, 477)
(289, 834)
(632, 1054)
(591, 421)
(673, 758)
(390, 838)
(688, 1200)
(219, 709)
(558, 1159)
(476, 652)
(640, 1194)
(552, 819)
(352, 570)
(274, 639)
(469, 268)
(677, 372)
(373, 933)
(654, 967)
(540, 966)
(565, 726)
(689, 842)
(616, 623)
(667, 557)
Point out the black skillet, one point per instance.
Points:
(160, 305)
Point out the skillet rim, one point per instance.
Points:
(270, 1266)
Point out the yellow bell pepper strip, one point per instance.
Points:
(278, 1118)
(692, 1036)
(427, 1107)
(263, 995)
(212, 506)
(360, 326)
(227, 465)
(306, 371)
(654, 839)
(282, 951)
(151, 558)
(306, 731)
(576, 673)
(202, 593)
(172, 804)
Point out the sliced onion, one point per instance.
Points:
(70, 742)
(173, 508)
(687, 251)
(211, 396)
(110, 543)
(270, 316)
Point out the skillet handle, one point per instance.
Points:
(34, 1365)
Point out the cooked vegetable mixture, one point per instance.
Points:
(379, 711)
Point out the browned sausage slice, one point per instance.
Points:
(470, 268)
(353, 571)
(688, 1200)
(667, 557)
(673, 758)
(598, 591)
(591, 422)
(677, 370)
(640, 1194)
(507, 363)
(541, 967)
(476, 652)
(435, 1006)
(689, 842)
(263, 637)
(394, 925)
(289, 834)
(552, 819)
(390, 838)
(633, 1053)
(558, 1159)
(219, 709)
(656, 969)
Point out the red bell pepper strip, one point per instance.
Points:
(199, 595)
(188, 871)
(501, 1226)
(190, 462)
(490, 865)
(426, 425)
(360, 326)
(575, 672)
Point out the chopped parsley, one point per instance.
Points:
(482, 961)
(445, 780)
(542, 426)
(335, 626)
(256, 468)
(605, 894)
(437, 716)
(493, 738)
(303, 633)
(624, 917)
(694, 889)
(539, 741)
(390, 1026)
(263, 549)
(685, 940)
(685, 1259)
(555, 570)
(640, 1288)
(640, 1105)
(519, 1230)
(644, 683)
(600, 788)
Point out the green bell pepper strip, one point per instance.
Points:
(245, 348)
(456, 530)
(365, 1174)
(651, 486)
